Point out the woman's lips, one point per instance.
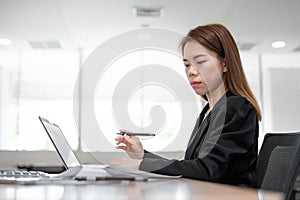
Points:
(195, 83)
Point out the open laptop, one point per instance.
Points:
(75, 170)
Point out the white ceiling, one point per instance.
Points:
(87, 23)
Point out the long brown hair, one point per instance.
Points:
(217, 38)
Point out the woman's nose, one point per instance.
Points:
(192, 70)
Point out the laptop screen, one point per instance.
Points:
(60, 143)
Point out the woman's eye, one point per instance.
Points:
(200, 62)
(186, 65)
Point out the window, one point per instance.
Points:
(36, 83)
(42, 83)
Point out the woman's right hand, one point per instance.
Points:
(131, 144)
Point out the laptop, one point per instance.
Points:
(102, 171)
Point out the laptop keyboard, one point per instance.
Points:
(21, 174)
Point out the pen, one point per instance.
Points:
(110, 178)
(136, 134)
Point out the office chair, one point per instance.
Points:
(278, 162)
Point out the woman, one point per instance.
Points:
(223, 145)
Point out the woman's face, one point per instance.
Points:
(203, 68)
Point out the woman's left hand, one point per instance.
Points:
(127, 162)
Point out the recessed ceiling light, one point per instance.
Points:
(147, 12)
(5, 42)
(47, 44)
(278, 44)
(246, 46)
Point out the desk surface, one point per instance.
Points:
(158, 189)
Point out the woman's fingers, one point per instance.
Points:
(129, 139)
(126, 140)
(124, 131)
(120, 139)
(121, 147)
(131, 144)
(123, 139)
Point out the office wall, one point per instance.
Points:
(281, 89)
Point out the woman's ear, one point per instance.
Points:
(224, 66)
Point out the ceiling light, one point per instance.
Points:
(297, 49)
(5, 42)
(48, 44)
(246, 46)
(147, 12)
(278, 44)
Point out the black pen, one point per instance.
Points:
(136, 134)
(110, 178)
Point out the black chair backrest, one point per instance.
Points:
(278, 162)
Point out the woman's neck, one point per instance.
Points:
(215, 96)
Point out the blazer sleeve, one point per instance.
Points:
(237, 138)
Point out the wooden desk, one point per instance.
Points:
(180, 189)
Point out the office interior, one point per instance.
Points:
(44, 45)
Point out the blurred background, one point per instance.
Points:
(44, 43)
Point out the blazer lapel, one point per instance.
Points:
(201, 128)
(197, 137)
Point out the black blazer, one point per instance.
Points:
(222, 148)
